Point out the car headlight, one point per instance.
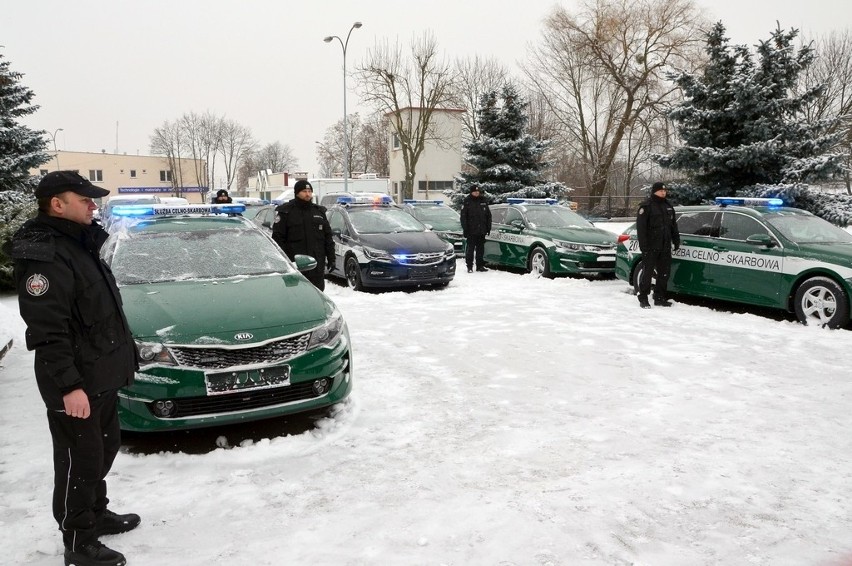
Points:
(154, 353)
(327, 334)
(373, 253)
(450, 250)
(576, 247)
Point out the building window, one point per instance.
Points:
(395, 141)
(166, 176)
(434, 185)
(96, 175)
(133, 173)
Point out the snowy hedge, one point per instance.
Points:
(15, 208)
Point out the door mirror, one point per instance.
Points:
(519, 224)
(761, 240)
(305, 262)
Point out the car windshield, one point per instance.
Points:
(555, 217)
(152, 257)
(806, 229)
(438, 214)
(252, 210)
(380, 220)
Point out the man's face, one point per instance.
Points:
(71, 206)
(305, 194)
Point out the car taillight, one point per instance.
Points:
(623, 238)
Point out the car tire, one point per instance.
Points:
(539, 264)
(353, 274)
(637, 277)
(821, 301)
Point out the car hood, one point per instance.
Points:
(213, 311)
(405, 242)
(831, 253)
(597, 236)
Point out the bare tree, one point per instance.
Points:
(832, 68)
(408, 90)
(236, 144)
(202, 135)
(475, 77)
(602, 72)
(167, 140)
(276, 157)
(368, 151)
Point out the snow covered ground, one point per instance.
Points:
(505, 420)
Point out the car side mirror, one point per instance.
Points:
(305, 262)
(761, 240)
(519, 224)
(335, 232)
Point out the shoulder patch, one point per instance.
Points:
(642, 210)
(277, 217)
(37, 284)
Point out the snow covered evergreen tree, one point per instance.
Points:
(741, 121)
(21, 149)
(506, 159)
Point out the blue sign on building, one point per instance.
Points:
(148, 190)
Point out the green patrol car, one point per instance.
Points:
(439, 218)
(758, 252)
(227, 328)
(547, 239)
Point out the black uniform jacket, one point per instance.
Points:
(656, 225)
(70, 302)
(301, 227)
(475, 216)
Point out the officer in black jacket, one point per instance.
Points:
(476, 224)
(301, 227)
(656, 228)
(83, 354)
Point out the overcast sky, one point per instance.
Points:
(109, 72)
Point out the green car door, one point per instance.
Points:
(507, 245)
(690, 272)
(750, 263)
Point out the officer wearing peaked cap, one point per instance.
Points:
(84, 353)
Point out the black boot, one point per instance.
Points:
(662, 302)
(643, 302)
(469, 269)
(482, 268)
(93, 554)
(113, 523)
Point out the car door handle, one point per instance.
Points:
(720, 248)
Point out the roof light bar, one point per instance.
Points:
(144, 210)
(348, 199)
(749, 201)
(416, 201)
(515, 200)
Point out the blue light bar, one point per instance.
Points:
(515, 200)
(350, 199)
(749, 201)
(415, 201)
(145, 210)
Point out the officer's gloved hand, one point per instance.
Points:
(330, 266)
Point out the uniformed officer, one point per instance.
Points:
(476, 224)
(656, 228)
(301, 227)
(83, 354)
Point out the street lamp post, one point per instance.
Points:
(55, 152)
(344, 45)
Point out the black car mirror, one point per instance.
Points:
(761, 240)
(519, 224)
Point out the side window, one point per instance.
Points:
(698, 223)
(512, 214)
(498, 215)
(737, 226)
(335, 219)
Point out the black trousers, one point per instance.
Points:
(316, 276)
(475, 246)
(661, 263)
(83, 453)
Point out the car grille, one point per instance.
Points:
(419, 259)
(220, 358)
(241, 401)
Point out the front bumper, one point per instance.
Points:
(570, 262)
(185, 388)
(382, 274)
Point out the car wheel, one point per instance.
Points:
(353, 274)
(637, 277)
(539, 264)
(821, 301)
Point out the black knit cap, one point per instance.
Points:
(301, 185)
(57, 182)
(659, 185)
(475, 188)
